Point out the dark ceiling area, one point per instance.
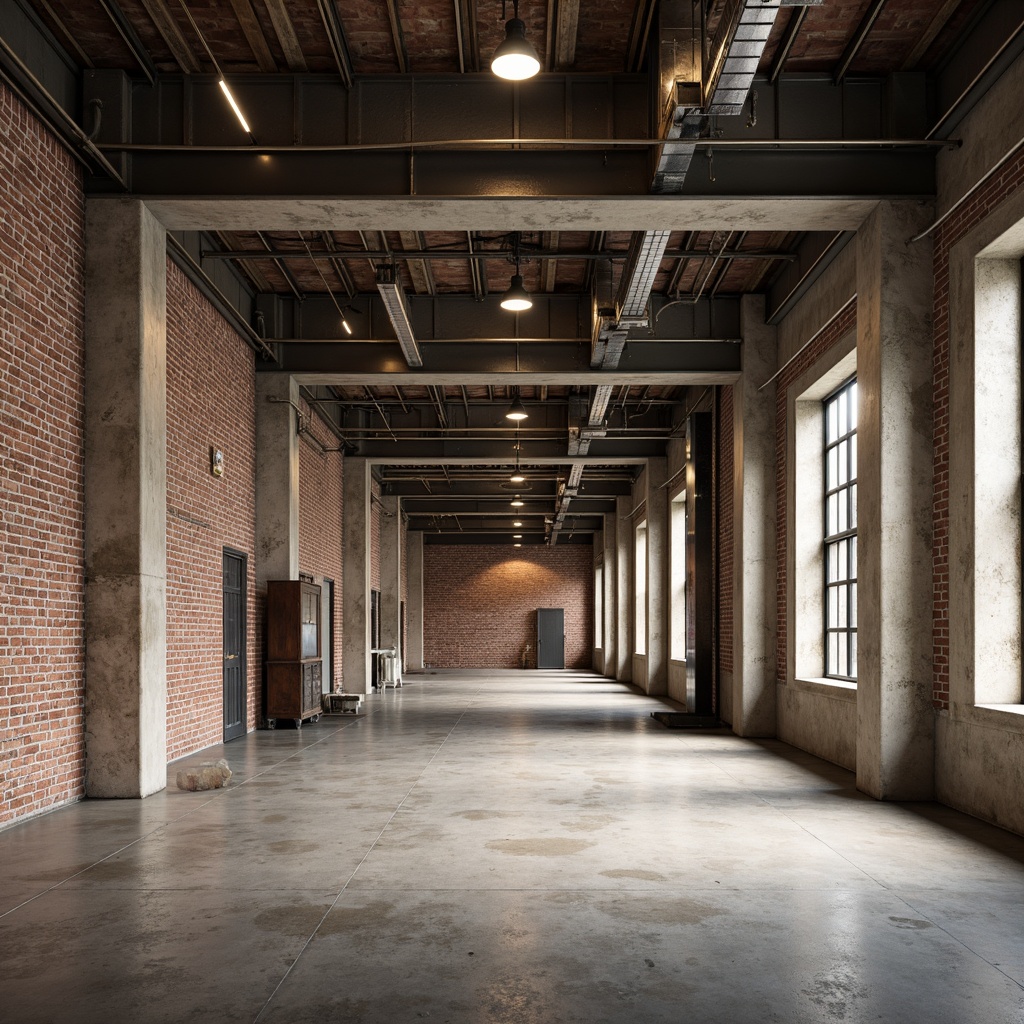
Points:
(633, 324)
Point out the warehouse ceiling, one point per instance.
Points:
(385, 167)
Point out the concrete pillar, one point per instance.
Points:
(895, 721)
(610, 581)
(414, 603)
(355, 652)
(391, 573)
(657, 577)
(125, 500)
(623, 590)
(754, 528)
(277, 479)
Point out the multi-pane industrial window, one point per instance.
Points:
(841, 532)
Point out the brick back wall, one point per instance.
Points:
(725, 530)
(320, 512)
(210, 403)
(42, 579)
(841, 324)
(1002, 184)
(375, 521)
(480, 603)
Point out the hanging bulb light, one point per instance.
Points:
(517, 298)
(517, 502)
(515, 58)
(517, 411)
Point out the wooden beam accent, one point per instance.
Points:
(565, 33)
(549, 240)
(855, 43)
(172, 35)
(66, 37)
(796, 20)
(639, 33)
(254, 34)
(419, 270)
(935, 26)
(293, 55)
(398, 37)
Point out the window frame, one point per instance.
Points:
(844, 490)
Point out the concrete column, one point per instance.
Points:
(414, 604)
(277, 479)
(657, 577)
(391, 574)
(754, 528)
(623, 590)
(895, 721)
(355, 528)
(125, 500)
(610, 580)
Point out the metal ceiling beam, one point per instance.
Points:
(339, 43)
(398, 37)
(552, 362)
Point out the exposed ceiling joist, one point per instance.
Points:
(336, 36)
(398, 36)
(567, 22)
(939, 21)
(857, 39)
(285, 31)
(172, 35)
(254, 35)
(796, 21)
(419, 269)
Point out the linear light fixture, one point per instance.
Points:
(221, 80)
(394, 302)
(341, 311)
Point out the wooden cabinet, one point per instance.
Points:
(294, 669)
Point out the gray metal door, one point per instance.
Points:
(234, 645)
(550, 638)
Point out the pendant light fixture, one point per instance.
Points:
(517, 411)
(517, 476)
(517, 502)
(517, 298)
(515, 58)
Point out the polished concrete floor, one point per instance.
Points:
(523, 848)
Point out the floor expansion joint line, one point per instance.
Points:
(355, 870)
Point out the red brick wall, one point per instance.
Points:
(375, 520)
(320, 508)
(725, 530)
(1001, 185)
(210, 403)
(841, 324)
(480, 603)
(42, 652)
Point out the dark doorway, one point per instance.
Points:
(375, 635)
(327, 617)
(550, 638)
(235, 571)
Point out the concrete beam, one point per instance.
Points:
(277, 479)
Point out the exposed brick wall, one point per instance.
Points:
(480, 603)
(725, 530)
(42, 652)
(211, 402)
(320, 514)
(841, 324)
(1007, 181)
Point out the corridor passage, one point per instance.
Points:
(523, 848)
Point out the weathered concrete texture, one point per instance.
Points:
(610, 582)
(125, 500)
(414, 604)
(391, 574)
(277, 479)
(494, 864)
(820, 719)
(624, 590)
(657, 577)
(356, 674)
(895, 723)
(754, 528)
